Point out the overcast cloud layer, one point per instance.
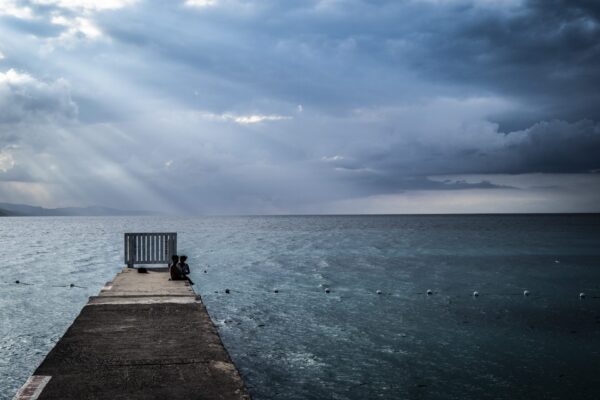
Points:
(322, 106)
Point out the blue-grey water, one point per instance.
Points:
(351, 343)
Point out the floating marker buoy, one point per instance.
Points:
(276, 290)
(429, 292)
(17, 282)
(378, 292)
(227, 291)
(476, 294)
(72, 285)
(582, 295)
(327, 290)
(556, 262)
(525, 293)
(204, 271)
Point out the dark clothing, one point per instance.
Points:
(179, 272)
(185, 269)
(176, 273)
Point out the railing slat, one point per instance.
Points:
(152, 240)
(153, 248)
(160, 247)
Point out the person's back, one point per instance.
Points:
(175, 270)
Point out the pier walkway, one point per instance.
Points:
(142, 337)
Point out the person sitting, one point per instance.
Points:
(184, 268)
(175, 269)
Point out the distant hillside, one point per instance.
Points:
(5, 213)
(9, 209)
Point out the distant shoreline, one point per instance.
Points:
(25, 210)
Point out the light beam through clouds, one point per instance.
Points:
(306, 106)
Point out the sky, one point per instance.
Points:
(301, 106)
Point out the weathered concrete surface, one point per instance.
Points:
(155, 283)
(143, 337)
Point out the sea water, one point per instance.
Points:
(293, 340)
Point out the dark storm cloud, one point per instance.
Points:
(349, 54)
(550, 147)
(271, 105)
(544, 52)
(547, 147)
(292, 52)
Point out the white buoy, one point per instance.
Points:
(429, 292)
(327, 290)
(476, 294)
(556, 262)
(525, 293)
(582, 295)
(378, 292)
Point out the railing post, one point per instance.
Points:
(132, 251)
(174, 243)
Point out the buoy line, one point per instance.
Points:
(19, 282)
(327, 289)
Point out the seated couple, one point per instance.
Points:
(179, 269)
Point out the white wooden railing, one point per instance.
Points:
(149, 248)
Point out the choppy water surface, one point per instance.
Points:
(302, 343)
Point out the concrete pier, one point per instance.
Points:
(142, 337)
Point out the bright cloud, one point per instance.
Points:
(77, 28)
(87, 5)
(246, 119)
(200, 3)
(12, 8)
(255, 119)
(12, 77)
(6, 161)
(25, 98)
(20, 9)
(332, 158)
